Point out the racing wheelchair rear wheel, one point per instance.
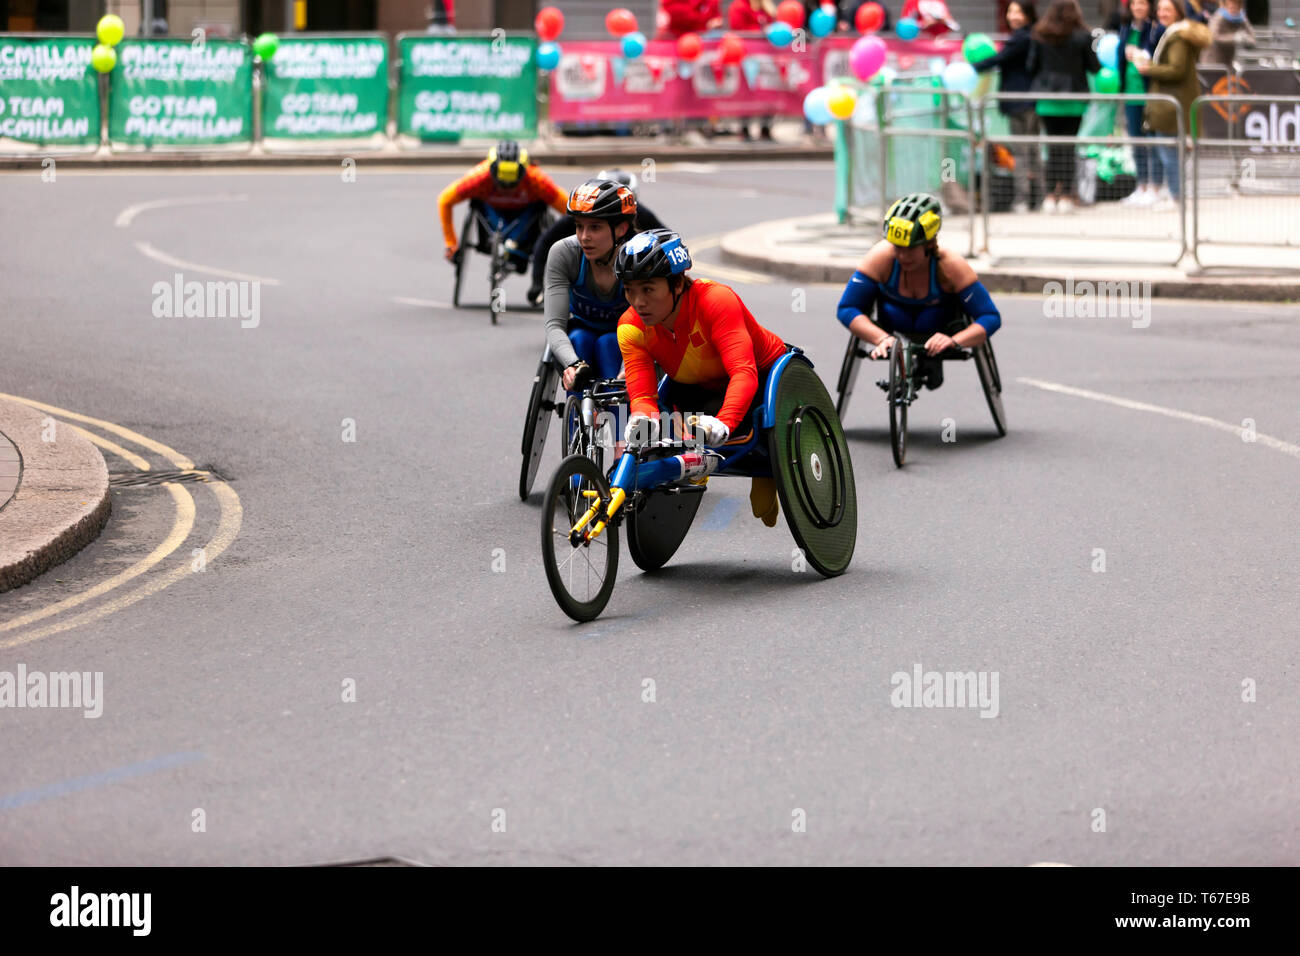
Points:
(987, 366)
(812, 468)
(460, 259)
(537, 422)
(899, 372)
(849, 373)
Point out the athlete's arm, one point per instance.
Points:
(860, 295)
(638, 367)
(956, 274)
(561, 271)
(457, 192)
(723, 318)
(543, 188)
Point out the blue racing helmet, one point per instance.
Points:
(656, 254)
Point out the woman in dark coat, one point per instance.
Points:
(1012, 64)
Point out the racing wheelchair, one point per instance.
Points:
(587, 417)
(493, 242)
(909, 365)
(653, 491)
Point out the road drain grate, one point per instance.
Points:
(132, 478)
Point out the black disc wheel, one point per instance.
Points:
(898, 401)
(537, 423)
(813, 471)
(579, 568)
(987, 366)
(659, 525)
(853, 355)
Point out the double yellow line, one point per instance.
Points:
(227, 528)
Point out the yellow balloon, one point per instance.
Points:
(103, 58)
(841, 102)
(110, 30)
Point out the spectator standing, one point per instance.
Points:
(1229, 29)
(1011, 62)
(1172, 70)
(1137, 35)
(1060, 58)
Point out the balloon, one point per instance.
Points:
(960, 76)
(907, 29)
(731, 49)
(867, 56)
(841, 101)
(821, 22)
(905, 61)
(548, 56)
(886, 75)
(936, 64)
(549, 24)
(869, 17)
(110, 30)
(103, 58)
(633, 44)
(791, 13)
(779, 33)
(265, 45)
(815, 108)
(1108, 50)
(978, 47)
(620, 21)
(1107, 81)
(688, 46)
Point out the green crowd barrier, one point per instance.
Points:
(467, 86)
(49, 93)
(167, 92)
(326, 87)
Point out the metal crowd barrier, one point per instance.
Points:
(1141, 228)
(1239, 179)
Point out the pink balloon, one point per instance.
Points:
(867, 57)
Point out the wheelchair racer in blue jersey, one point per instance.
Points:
(583, 296)
(929, 294)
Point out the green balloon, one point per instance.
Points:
(266, 45)
(978, 47)
(1107, 81)
(103, 58)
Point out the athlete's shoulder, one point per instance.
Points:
(879, 261)
(566, 254)
(631, 330)
(954, 271)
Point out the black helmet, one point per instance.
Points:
(603, 199)
(656, 254)
(619, 176)
(913, 221)
(508, 162)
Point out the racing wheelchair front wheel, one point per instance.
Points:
(991, 380)
(813, 470)
(898, 389)
(579, 569)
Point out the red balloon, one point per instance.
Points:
(791, 12)
(731, 49)
(620, 21)
(870, 17)
(549, 23)
(688, 46)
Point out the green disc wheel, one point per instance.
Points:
(580, 572)
(898, 372)
(813, 470)
(658, 526)
(987, 366)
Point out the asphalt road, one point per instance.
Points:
(371, 561)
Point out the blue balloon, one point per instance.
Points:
(1108, 50)
(960, 76)
(633, 45)
(907, 29)
(815, 108)
(821, 22)
(548, 55)
(779, 33)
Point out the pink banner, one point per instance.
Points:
(595, 83)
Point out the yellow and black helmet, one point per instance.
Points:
(913, 221)
(508, 162)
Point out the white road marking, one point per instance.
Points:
(1267, 440)
(684, 167)
(164, 258)
(125, 217)
(421, 303)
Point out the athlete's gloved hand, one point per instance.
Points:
(641, 430)
(714, 432)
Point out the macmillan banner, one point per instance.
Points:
(179, 93)
(326, 88)
(467, 86)
(49, 94)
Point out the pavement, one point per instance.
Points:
(53, 493)
(1022, 252)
